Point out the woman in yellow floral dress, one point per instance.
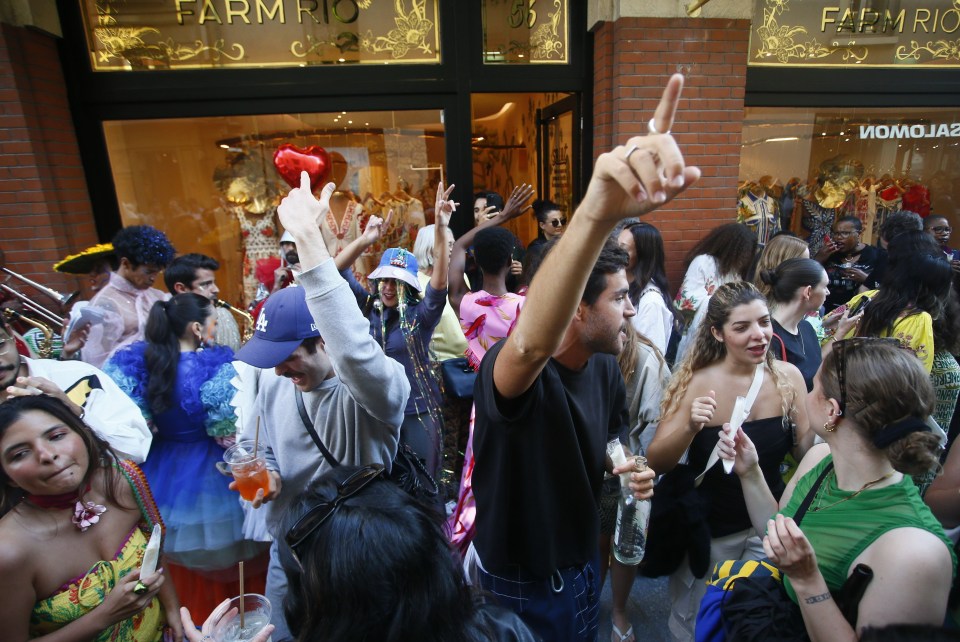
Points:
(73, 532)
(913, 292)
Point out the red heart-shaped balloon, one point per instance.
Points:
(290, 160)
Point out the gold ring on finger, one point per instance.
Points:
(632, 149)
(140, 588)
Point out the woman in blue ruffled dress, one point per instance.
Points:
(181, 383)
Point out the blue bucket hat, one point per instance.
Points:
(284, 322)
(397, 263)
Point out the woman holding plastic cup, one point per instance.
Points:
(182, 384)
(728, 359)
(74, 529)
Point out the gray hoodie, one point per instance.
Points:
(357, 413)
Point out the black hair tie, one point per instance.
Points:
(898, 430)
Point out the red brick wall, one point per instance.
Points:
(633, 57)
(45, 210)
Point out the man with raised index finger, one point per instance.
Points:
(550, 396)
(328, 374)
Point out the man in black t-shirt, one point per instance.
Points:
(549, 396)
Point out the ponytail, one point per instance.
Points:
(166, 324)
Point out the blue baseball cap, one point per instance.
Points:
(284, 322)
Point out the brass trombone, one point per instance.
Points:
(47, 315)
(246, 316)
(62, 299)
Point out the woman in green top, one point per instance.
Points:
(869, 402)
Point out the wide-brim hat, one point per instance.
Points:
(397, 263)
(84, 262)
(284, 322)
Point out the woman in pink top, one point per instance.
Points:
(486, 316)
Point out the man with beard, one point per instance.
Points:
(550, 396)
(331, 383)
(290, 268)
(195, 273)
(87, 391)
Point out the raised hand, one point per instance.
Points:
(443, 207)
(375, 228)
(517, 203)
(300, 212)
(642, 175)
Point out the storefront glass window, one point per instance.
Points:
(800, 169)
(505, 152)
(212, 186)
(525, 31)
(192, 34)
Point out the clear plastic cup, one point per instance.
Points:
(249, 472)
(226, 619)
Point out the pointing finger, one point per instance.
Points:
(305, 182)
(667, 109)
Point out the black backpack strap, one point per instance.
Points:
(313, 431)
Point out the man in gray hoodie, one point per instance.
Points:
(340, 381)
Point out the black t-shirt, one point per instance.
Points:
(802, 349)
(540, 463)
(843, 289)
(879, 268)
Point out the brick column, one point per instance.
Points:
(45, 210)
(633, 59)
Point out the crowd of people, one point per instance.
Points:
(788, 416)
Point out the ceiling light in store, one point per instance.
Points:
(824, 134)
(350, 122)
(341, 60)
(519, 55)
(225, 146)
(343, 113)
(846, 140)
(367, 124)
(782, 139)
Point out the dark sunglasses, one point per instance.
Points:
(558, 222)
(316, 516)
(845, 346)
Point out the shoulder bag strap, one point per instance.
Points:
(313, 431)
(783, 346)
(747, 406)
(805, 504)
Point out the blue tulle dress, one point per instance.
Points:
(203, 516)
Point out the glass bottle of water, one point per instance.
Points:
(633, 515)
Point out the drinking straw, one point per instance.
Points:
(256, 438)
(242, 599)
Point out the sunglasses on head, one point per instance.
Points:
(316, 516)
(843, 348)
(558, 222)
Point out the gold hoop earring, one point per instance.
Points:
(827, 426)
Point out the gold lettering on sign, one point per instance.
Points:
(181, 12)
(242, 13)
(918, 21)
(889, 24)
(208, 11)
(271, 14)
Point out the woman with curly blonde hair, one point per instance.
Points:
(728, 357)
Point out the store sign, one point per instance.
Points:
(942, 130)
(807, 33)
(525, 31)
(192, 34)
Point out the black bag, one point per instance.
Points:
(756, 609)
(678, 526)
(408, 471)
(458, 377)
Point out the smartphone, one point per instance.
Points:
(859, 307)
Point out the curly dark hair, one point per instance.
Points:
(143, 245)
(493, 249)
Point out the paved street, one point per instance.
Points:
(648, 607)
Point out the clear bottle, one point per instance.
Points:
(633, 515)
